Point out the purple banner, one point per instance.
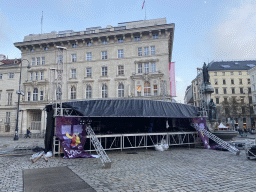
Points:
(200, 122)
(71, 125)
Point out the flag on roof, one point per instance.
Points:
(143, 4)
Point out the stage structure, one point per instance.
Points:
(129, 123)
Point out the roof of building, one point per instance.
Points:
(231, 65)
(8, 62)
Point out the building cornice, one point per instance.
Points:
(84, 37)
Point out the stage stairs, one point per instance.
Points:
(219, 141)
(98, 147)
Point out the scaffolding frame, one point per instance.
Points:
(201, 93)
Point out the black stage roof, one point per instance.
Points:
(132, 108)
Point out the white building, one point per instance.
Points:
(127, 61)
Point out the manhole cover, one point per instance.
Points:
(54, 179)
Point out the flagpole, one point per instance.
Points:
(42, 23)
(145, 11)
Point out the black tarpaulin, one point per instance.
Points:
(132, 108)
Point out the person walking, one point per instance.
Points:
(28, 133)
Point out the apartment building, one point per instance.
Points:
(9, 78)
(252, 73)
(127, 61)
(231, 80)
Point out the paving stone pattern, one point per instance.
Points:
(178, 169)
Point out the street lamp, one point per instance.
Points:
(16, 136)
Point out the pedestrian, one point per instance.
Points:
(28, 133)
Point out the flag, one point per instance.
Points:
(172, 79)
(143, 4)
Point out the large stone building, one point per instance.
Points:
(252, 73)
(127, 61)
(230, 80)
(9, 78)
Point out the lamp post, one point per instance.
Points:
(16, 136)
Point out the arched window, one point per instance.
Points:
(121, 90)
(73, 92)
(104, 91)
(35, 94)
(88, 92)
(147, 89)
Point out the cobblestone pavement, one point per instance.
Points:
(178, 169)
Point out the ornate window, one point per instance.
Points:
(43, 60)
(120, 40)
(41, 95)
(146, 67)
(140, 68)
(104, 71)
(89, 43)
(36, 76)
(104, 91)
(41, 75)
(137, 38)
(73, 73)
(140, 51)
(120, 53)
(11, 75)
(9, 100)
(153, 50)
(88, 92)
(73, 92)
(138, 90)
(155, 36)
(88, 56)
(29, 96)
(104, 55)
(121, 90)
(88, 72)
(104, 42)
(153, 67)
(155, 90)
(146, 51)
(147, 89)
(120, 69)
(38, 61)
(33, 61)
(73, 57)
(35, 94)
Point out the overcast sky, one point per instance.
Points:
(205, 30)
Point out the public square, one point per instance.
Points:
(177, 169)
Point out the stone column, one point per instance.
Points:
(43, 120)
(24, 121)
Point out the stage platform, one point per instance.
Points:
(136, 140)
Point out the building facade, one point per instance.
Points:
(231, 80)
(9, 84)
(127, 61)
(252, 73)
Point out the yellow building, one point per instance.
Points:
(230, 80)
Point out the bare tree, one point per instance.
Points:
(230, 108)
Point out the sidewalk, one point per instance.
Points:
(9, 146)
